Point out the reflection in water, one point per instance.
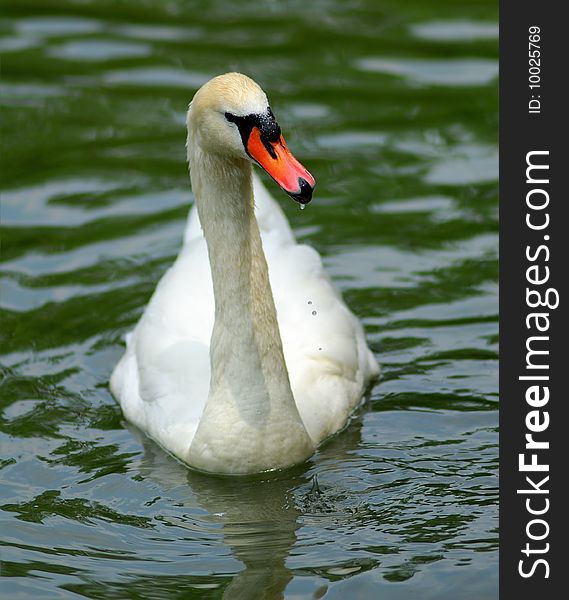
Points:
(258, 516)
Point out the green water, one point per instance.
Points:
(393, 107)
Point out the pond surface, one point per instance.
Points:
(393, 107)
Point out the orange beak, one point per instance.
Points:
(281, 165)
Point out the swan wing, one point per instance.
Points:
(329, 363)
(162, 380)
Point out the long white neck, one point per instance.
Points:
(250, 422)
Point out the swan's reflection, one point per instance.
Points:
(259, 514)
(259, 525)
(259, 517)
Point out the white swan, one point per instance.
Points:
(235, 367)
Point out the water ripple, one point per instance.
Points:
(395, 112)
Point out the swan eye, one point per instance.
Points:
(269, 129)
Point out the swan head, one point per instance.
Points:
(230, 116)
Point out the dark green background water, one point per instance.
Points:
(393, 107)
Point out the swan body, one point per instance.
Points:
(246, 357)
